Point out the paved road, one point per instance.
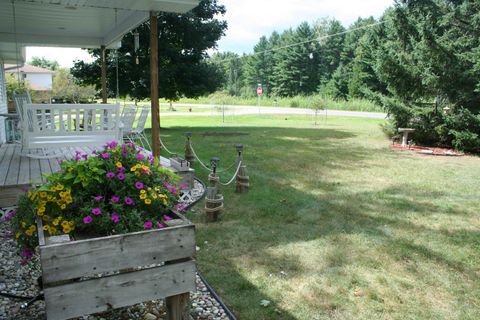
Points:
(242, 110)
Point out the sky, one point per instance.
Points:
(248, 20)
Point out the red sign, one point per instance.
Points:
(259, 91)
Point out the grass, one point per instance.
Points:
(336, 224)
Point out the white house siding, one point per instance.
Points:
(3, 102)
(39, 81)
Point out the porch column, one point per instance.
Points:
(104, 74)
(154, 85)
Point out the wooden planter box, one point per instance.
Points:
(88, 276)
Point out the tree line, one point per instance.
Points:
(420, 61)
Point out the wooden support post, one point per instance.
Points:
(243, 180)
(178, 307)
(104, 74)
(154, 85)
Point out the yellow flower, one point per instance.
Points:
(143, 196)
(23, 224)
(142, 191)
(118, 164)
(18, 235)
(148, 201)
(29, 232)
(67, 229)
(45, 218)
(165, 202)
(59, 187)
(46, 227)
(49, 198)
(43, 194)
(63, 206)
(154, 196)
(55, 222)
(52, 231)
(33, 228)
(65, 223)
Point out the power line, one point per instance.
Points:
(306, 41)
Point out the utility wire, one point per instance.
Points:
(303, 42)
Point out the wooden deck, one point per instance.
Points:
(18, 172)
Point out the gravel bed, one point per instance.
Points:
(21, 279)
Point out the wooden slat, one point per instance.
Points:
(97, 295)
(5, 164)
(24, 174)
(44, 168)
(35, 173)
(14, 168)
(92, 256)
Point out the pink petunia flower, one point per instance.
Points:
(115, 199)
(97, 211)
(166, 218)
(124, 152)
(27, 253)
(160, 225)
(128, 200)
(115, 217)
(87, 220)
(148, 225)
(121, 176)
(120, 169)
(105, 155)
(110, 175)
(139, 156)
(138, 185)
(98, 198)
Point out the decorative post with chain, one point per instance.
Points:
(189, 155)
(243, 180)
(214, 201)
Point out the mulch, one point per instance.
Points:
(434, 151)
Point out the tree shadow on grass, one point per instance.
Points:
(260, 231)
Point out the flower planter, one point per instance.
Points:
(81, 277)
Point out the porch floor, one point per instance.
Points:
(19, 172)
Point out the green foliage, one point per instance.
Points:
(44, 63)
(65, 87)
(183, 43)
(428, 59)
(15, 86)
(116, 190)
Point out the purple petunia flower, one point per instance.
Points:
(98, 198)
(87, 220)
(120, 169)
(115, 217)
(138, 185)
(171, 188)
(105, 155)
(166, 218)
(160, 225)
(124, 152)
(110, 175)
(115, 199)
(139, 156)
(27, 253)
(148, 225)
(121, 176)
(128, 200)
(97, 211)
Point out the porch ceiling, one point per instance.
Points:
(74, 23)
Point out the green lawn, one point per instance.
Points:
(336, 224)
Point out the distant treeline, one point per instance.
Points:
(420, 61)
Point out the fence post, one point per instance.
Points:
(243, 180)
(214, 201)
(189, 156)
